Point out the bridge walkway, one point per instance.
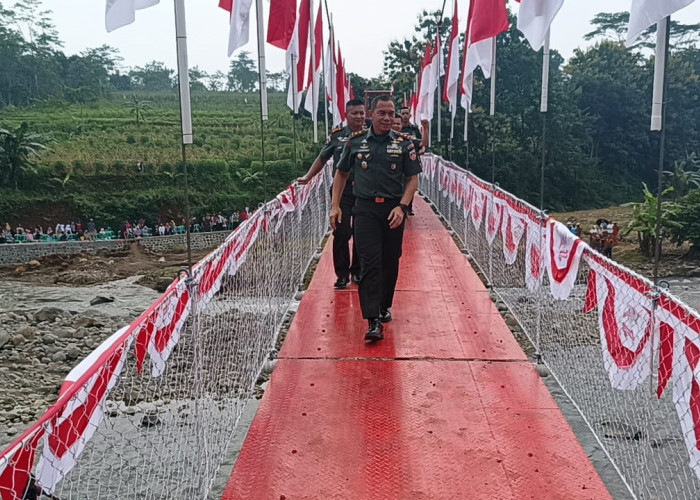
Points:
(447, 406)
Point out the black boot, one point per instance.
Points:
(375, 331)
(385, 315)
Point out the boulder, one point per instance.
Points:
(100, 299)
(34, 263)
(4, 339)
(18, 339)
(47, 314)
(84, 321)
(58, 357)
(27, 332)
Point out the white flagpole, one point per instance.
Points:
(658, 119)
(544, 98)
(262, 76)
(183, 72)
(439, 93)
(312, 44)
(185, 109)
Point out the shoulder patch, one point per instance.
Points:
(337, 129)
(404, 136)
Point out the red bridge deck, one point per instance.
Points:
(447, 406)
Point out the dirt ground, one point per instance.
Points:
(102, 267)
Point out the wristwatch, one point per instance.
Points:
(404, 207)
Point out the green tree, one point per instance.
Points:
(242, 75)
(685, 176)
(613, 26)
(644, 220)
(138, 108)
(688, 228)
(18, 150)
(153, 76)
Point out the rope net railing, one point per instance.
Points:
(150, 413)
(626, 352)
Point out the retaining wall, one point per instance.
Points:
(21, 253)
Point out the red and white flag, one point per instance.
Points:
(240, 22)
(679, 359)
(494, 212)
(122, 12)
(424, 84)
(478, 197)
(281, 24)
(452, 78)
(329, 77)
(340, 86)
(295, 57)
(170, 319)
(624, 322)
(513, 227)
(645, 13)
(16, 466)
(487, 19)
(535, 18)
(68, 434)
(535, 249)
(563, 257)
(315, 72)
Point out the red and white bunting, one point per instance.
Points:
(478, 200)
(679, 359)
(494, 212)
(16, 466)
(171, 316)
(535, 248)
(624, 322)
(563, 256)
(67, 435)
(512, 230)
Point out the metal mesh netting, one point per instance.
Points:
(611, 339)
(151, 412)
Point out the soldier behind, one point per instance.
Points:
(407, 127)
(355, 111)
(385, 167)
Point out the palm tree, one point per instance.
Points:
(18, 149)
(138, 108)
(685, 175)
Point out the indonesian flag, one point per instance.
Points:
(340, 84)
(295, 58)
(452, 78)
(679, 356)
(329, 77)
(477, 202)
(413, 106)
(80, 416)
(644, 13)
(315, 72)
(487, 19)
(424, 82)
(535, 248)
(240, 22)
(430, 79)
(351, 91)
(282, 23)
(534, 19)
(17, 466)
(170, 319)
(122, 12)
(563, 256)
(493, 218)
(624, 322)
(513, 226)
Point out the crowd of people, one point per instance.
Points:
(603, 236)
(79, 231)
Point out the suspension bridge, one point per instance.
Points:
(447, 406)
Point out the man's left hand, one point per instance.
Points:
(396, 217)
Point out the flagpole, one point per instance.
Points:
(492, 111)
(312, 44)
(185, 110)
(543, 110)
(262, 79)
(294, 86)
(439, 95)
(658, 122)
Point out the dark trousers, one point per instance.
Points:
(380, 250)
(341, 237)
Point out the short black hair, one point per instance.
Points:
(354, 102)
(405, 107)
(381, 98)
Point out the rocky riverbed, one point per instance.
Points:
(45, 331)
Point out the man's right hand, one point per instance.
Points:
(335, 217)
(303, 180)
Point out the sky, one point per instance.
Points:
(361, 29)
